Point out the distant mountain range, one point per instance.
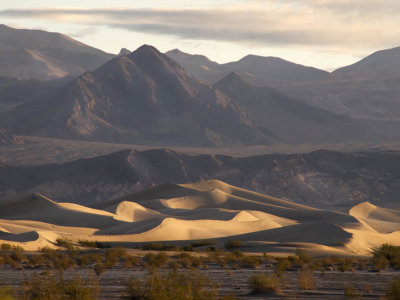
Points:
(367, 89)
(320, 178)
(146, 97)
(258, 70)
(37, 54)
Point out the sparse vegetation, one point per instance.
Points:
(393, 292)
(7, 293)
(172, 286)
(305, 279)
(386, 255)
(57, 288)
(264, 284)
(351, 292)
(233, 244)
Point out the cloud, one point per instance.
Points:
(325, 24)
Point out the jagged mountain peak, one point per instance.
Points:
(233, 78)
(124, 51)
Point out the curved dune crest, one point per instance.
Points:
(134, 212)
(382, 220)
(198, 211)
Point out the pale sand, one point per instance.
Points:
(198, 211)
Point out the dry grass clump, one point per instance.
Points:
(386, 255)
(305, 279)
(156, 260)
(7, 293)
(393, 292)
(233, 244)
(57, 288)
(264, 284)
(113, 256)
(351, 292)
(282, 264)
(172, 286)
(159, 247)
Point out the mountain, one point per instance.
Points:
(37, 54)
(290, 120)
(321, 178)
(16, 91)
(368, 89)
(124, 51)
(383, 64)
(143, 97)
(258, 70)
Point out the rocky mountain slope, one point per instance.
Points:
(37, 54)
(320, 178)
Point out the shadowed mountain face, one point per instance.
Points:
(15, 91)
(292, 121)
(144, 97)
(258, 70)
(37, 54)
(321, 178)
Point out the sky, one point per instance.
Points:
(325, 34)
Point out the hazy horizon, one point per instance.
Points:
(324, 34)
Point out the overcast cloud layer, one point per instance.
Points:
(339, 25)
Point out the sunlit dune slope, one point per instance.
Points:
(205, 210)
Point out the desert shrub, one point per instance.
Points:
(210, 249)
(94, 244)
(393, 292)
(36, 260)
(113, 256)
(56, 288)
(391, 253)
(233, 244)
(160, 247)
(362, 264)
(187, 248)
(282, 264)
(203, 243)
(380, 262)
(7, 293)
(17, 248)
(345, 264)
(18, 255)
(351, 292)
(174, 285)
(250, 261)
(131, 261)
(6, 247)
(303, 257)
(264, 284)
(156, 260)
(217, 258)
(87, 243)
(305, 279)
(99, 268)
(8, 260)
(233, 257)
(189, 261)
(65, 243)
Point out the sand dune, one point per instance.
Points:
(204, 210)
